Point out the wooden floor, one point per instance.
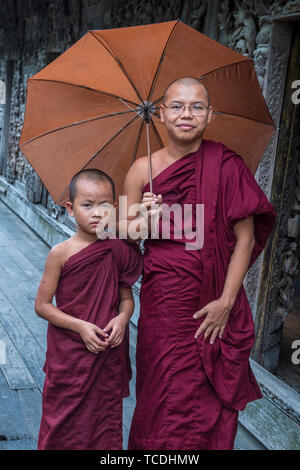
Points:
(23, 336)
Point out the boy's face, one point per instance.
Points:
(92, 202)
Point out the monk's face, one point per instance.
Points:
(92, 203)
(185, 128)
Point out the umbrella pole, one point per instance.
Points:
(149, 156)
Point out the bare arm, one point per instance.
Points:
(126, 306)
(118, 324)
(45, 309)
(218, 310)
(239, 260)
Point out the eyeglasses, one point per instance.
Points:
(195, 109)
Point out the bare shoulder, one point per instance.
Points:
(136, 175)
(138, 169)
(61, 252)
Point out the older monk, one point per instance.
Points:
(195, 330)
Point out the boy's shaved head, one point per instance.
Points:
(91, 174)
(187, 81)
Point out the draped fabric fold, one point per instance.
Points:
(234, 195)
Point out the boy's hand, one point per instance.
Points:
(89, 334)
(117, 326)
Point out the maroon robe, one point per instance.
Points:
(83, 391)
(188, 391)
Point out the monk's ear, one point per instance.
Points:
(69, 207)
(210, 114)
(161, 112)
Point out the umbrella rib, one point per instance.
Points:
(128, 105)
(120, 65)
(224, 67)
(212, 71)
(75, 124)
(156, 133)
(110, 140)
(137, 143)
(100, 150)
(160, 62)
(202, 76)
(159, 99)
(84, 87)
(244, 117)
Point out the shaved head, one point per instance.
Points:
(187, 82)
(91, 174)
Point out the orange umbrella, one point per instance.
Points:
(96, 105)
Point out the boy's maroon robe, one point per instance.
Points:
(189, 391)
(83, 391)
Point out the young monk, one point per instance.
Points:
(87, 361)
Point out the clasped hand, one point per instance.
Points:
(90, 333)
(217, 312)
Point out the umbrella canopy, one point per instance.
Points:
(96, 104)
